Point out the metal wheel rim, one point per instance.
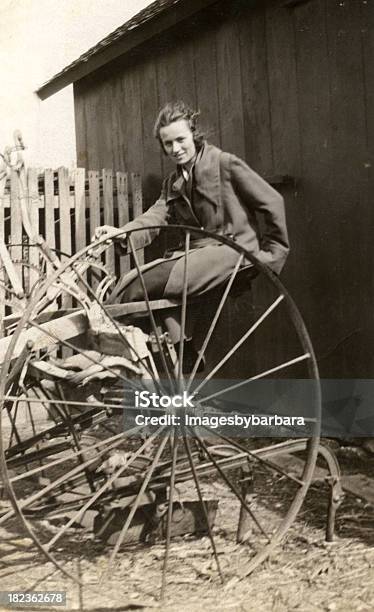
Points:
(312, 367)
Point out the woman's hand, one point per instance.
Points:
(105, 231)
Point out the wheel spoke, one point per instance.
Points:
(51, 464)
(277, 368)
(57, 430)
(170, 510)
(12, 419)
(204, 469)
(240, 342)
(215, 319)
(104, 488)
(202, 503)
(183, 314)
(149, 309)
(254, 455)
(135, 506)
(232, 487)
(44, 401)
(82, 420)
(74, 435)
(75, 404)
(18, 365)
(25, 503)
(32, 422)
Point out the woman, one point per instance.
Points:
(212, 190)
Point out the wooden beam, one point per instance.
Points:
(120, 310)
(130, 40)
(64, 328)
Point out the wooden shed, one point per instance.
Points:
(289, 87)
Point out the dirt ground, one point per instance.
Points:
(305, 573)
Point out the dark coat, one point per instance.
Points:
(227, 195)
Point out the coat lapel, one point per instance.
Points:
(176, 187)
(177, 190)
(207, 177)
(207, 174)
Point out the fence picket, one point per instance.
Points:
(33, 207)
(49, 209)
(108, 213)
(15, 218)
(64, 206)
(80, 209)
(94, 206)
(65, 228)
(137, 204)
(94, 200)
(80, 213)
(101, 196)
(123, 214)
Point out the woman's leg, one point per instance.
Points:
(208, 267)
(155, 281)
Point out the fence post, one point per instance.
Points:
(123, 213)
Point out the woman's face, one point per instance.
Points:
(177, 140)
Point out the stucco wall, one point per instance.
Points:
(38, 38)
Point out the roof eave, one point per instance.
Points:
(126, 43)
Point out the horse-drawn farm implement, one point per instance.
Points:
(73, 452)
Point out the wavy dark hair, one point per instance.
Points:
(175, 111)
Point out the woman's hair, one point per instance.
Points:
(175, 111)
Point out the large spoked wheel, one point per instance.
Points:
(83, 389)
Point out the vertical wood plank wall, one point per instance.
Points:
(290, 90)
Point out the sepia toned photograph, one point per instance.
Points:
(186, 305)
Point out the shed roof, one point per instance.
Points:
(149, 22)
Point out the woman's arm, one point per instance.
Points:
(257, 194)
(158, 214)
